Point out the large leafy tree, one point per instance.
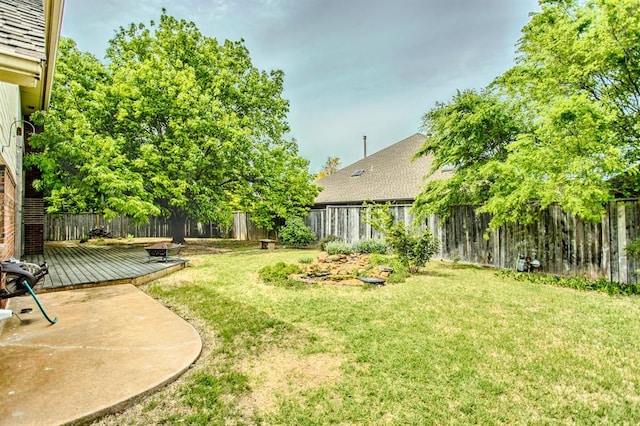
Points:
(574, 97)
(467, 133)
(195, 124)
(81, 168)
(279, 188)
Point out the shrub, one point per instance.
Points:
(326, 240)
(633, 249)
(305, 260)
(377, 245)
(413, 249)
(575, 282)
(337, 247)
(296, 233)
(279, 273)
(400, 272)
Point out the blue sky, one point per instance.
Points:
(352, 67)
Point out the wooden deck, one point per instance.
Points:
(85, 266)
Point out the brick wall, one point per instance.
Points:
(8, 202)
(7, 219)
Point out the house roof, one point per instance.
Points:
(22, 28)
(388, 175)
(29, 34)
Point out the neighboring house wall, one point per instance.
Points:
(33, 216)
(29, 34)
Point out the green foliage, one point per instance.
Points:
(279, 273)
(329, 238)
(554, 129)
(377, 245)
(576, 283)
(466, 133)
(413, 248)
(633, 249)
(305, 260)
(82, 168)
(400, 272)
(176, 124)
(296, 233)
(337, 247)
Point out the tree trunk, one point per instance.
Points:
(178, 221)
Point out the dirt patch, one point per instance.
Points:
(280, 374)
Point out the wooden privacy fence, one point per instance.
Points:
(74, 226)
(244, 229)
(562, 243)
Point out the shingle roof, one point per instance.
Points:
(22, 28)
(389, 175)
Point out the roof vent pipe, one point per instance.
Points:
(364, 139)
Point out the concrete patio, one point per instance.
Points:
(111, 345)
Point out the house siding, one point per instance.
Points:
(9, 115)
(11, 163)
(10, 157)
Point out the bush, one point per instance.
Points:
(326, 240)
(279, 273)
(377, 245)
(633, 249)
(575, 282)
(296, 233)
(413, 249)
(337, 247)
(400, 272)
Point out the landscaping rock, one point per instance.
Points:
(341, 269)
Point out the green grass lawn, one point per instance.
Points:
(449, 346)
